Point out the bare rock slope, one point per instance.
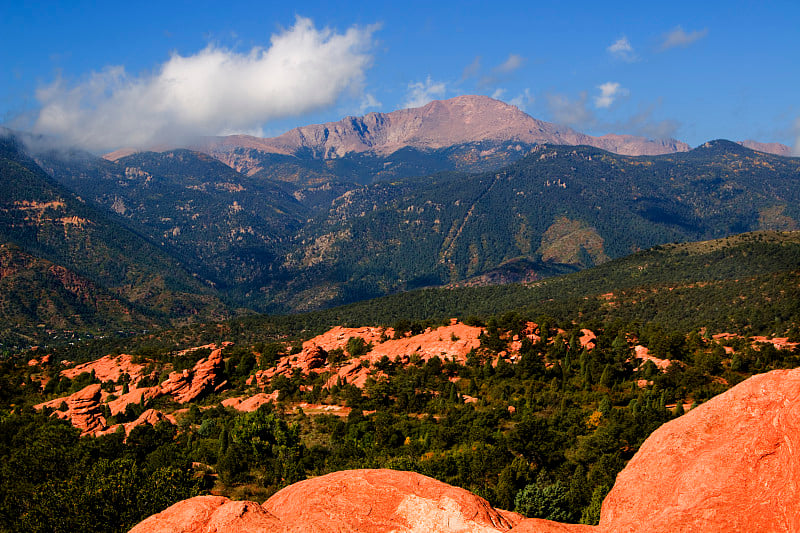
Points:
(439, 124)
(731, 464)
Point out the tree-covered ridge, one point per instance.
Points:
(47, 221)
(298, 233)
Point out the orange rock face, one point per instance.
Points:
(203, 378)
(109, 368)
(643, 354)
(383, 500)
(210, 513)
(454, 341)
(150, 416)
(83, 409)
(536, 525)
(343, 502)
(731, 464)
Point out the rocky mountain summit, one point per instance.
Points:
(728, 465)
(439, 124)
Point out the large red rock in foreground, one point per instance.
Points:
(342, 502)
(210, 514)
(731, 464)
(384, 500)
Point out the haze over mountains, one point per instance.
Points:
(464, 191)
(438, 124)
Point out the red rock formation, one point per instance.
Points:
(454, 341)
(383, 500)
(210, 514)
(643, 354)
(83, 409)
(206, 376)
(252, 403)
(731, 464)
(135, 396)
(109, 368)
(588, 339)
(342, 502)
(150, 416)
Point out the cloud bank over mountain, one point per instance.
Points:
(215, 91)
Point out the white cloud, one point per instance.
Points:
(643, 123)
(511, 64)
(472, 69)
(573, 113)
(498, 93)
(609, 91)
(212, 92)
(368, 102)
(622, 49)
(678, 37)
(577, 114)
(420, 93)
(522, 100)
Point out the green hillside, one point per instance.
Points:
(54, 227)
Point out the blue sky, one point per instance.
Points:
(104, 75)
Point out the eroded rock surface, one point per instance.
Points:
(384, 500)
(731, 464)
(343, 502)
(205, 377)
(210, 514)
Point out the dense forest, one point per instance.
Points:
(542, 427)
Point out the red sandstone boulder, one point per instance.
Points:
(731, 464)
(84, 410)
(210, 514)
(384, 501)
(206, 376)
(375, 501)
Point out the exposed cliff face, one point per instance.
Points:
(729, 465)
(439, 124)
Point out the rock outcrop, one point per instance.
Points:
(453, 341)
(205, 377)
(85, 407)
(83, 410)
(210, 513)
(731, 464)
(109, 368)
(348, 501)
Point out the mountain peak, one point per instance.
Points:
(438, 124)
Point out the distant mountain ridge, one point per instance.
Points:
(768, 148)
(438, 124)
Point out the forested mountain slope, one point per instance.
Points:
(47, 227)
